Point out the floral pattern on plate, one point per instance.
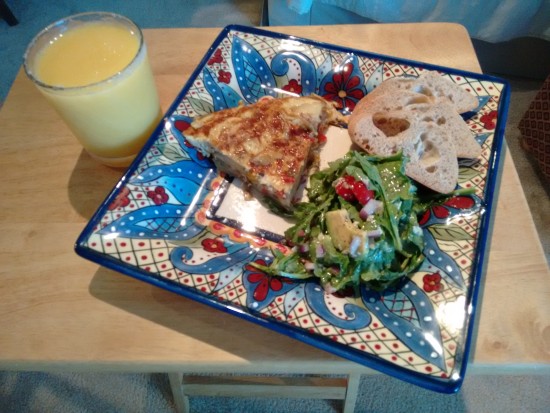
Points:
(157, 224)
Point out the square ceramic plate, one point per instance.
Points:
(174, 222)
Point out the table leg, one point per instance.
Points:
(351, 392)
(180, 399)
(314, 386)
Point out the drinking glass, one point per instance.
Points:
(94, 70)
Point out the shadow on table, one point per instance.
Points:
(233, 335)
(212, 326)
(90, 183)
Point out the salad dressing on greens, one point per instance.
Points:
(359, 225)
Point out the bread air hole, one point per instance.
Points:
(440, 121)
(417, 100)
(390, 126)
(428, 153)
(423, 90)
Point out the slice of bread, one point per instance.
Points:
(421, 117)
(379, 125)
(456, 129)
(432, 85)
(382, 132)
(431, 158)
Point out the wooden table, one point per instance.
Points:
(61, 312)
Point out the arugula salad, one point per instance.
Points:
(359, 225)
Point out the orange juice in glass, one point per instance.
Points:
(93, 68)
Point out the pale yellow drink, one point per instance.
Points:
(97, 76)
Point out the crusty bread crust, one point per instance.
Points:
(434, 86)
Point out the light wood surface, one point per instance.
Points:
(61, 312)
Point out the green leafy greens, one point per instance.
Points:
(376, 243)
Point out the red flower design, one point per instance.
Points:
(121, 200)
(213, 245)
(293, 87)
(460, 202)
(181, 125)
(159, 195)
(442, 211)
(224, 77)
(439, 211)
(216, 57)
(264, 282)
(489, 120)
(344, 89)
(432, 282)
(425, 218)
